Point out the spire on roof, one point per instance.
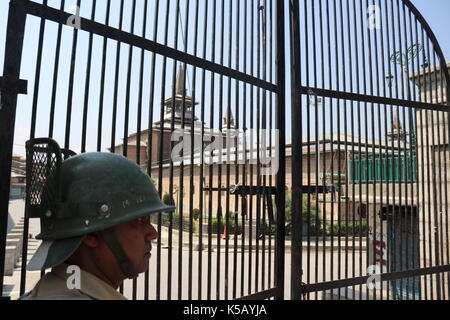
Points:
(230, 121)
(397, 130)
(180, 88)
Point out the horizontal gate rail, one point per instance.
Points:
(316, 287)
(87, 25)
(371, 99)
(263, 295)
(240, 86)
(14, 85)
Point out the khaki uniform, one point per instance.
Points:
(53, 286)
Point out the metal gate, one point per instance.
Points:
(144, 79)
(194, 91)
(370, 128)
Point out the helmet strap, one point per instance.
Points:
(122, 259)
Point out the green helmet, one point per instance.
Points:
(87, 193)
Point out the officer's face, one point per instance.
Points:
(135, 237)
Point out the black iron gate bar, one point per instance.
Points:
(345, 283)
(368, 99)
(14, 43)
(318, 92)
(61, 17)
(22, 7)
(301, 47)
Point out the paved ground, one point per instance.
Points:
(184, 274)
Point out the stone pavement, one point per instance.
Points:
(12, 283)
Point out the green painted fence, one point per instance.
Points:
(398, 168)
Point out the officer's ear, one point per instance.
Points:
(92, 240)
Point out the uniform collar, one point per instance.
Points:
(90, 284)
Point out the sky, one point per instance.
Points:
(434, 11)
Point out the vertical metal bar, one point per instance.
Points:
(244, 167)
(317, 152)
(401, 160)
(219, 169)
(262, 230)
(380, 150)
(55, 75)
(358, 107)
(338, 106)
(237, 155)
(438, 214)
(366, 146)
(384, 157)
(258, 145)
(281, 175)
(71, 86)
(415, 221)
(428, 174)
(116, 83)
(11, 69)
(407, 160)
(434, 179)
(171, 168)
(372, 115)
(446, 150)
(202, 159)
(296, 196)
(344, 81)
(101, 104)
(252, 62)
(211, 166)
(329, 21)
(395, 160)
(139, 118)
(87, 82)
(192, 167)
(128, 87)
(141, 89)
(389, 157)
(321, 177)
(37, 79)
(181, 166)
(271, 127)
(151, 126)
(308, 142)
(161, 153)
(37, 76)
(228, 155)
(422, 199)
(352, 129)
(127, 108)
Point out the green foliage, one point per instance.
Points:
(231, 225)
(166, 219)
(350, 229)
(313, 224)
(167, 200)
(267, 229)
(196, 213)
(310, 215)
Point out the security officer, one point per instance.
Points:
(100, 229)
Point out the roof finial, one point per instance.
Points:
(180, 82)
(225, 119)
